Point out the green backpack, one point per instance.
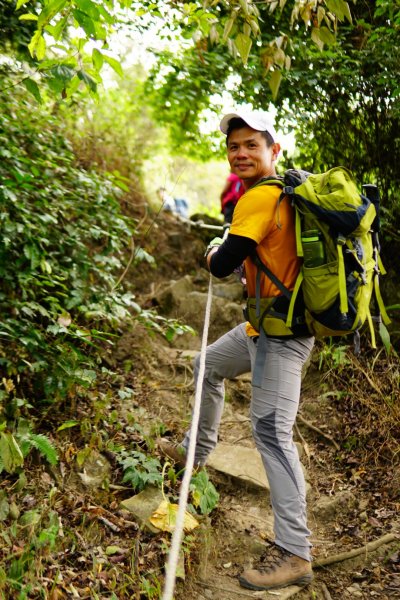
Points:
(337, 237)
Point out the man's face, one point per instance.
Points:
(249, 156)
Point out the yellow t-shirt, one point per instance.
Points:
(258, 217)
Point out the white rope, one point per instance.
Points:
(183, 497)
(202, 225)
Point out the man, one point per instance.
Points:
(275, 356)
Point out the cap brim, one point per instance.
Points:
(253, 120)
(224, 124)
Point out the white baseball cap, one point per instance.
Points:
(256, 119)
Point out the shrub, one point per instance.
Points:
(62, 237)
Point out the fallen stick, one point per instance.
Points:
(109, 524)
(370, 547)
(239, 592)
(317, 430)
(326, 593)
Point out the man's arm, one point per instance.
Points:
(224, 259)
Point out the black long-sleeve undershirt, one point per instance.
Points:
(231, 254)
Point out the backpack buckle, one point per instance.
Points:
(341, 240)
(288, 190)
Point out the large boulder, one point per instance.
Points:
(182, 300)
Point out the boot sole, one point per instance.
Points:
(302, 581)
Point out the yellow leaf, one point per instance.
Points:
(320, 15)
(228, 27)
(316, 38)
(279, 57)
(164, 518)
(267, 57)
(243, 44)
(8, 384)
(326, 36)
(254, 25)
(273, 6)
(64, 320)
(244, 6)
(274, 83)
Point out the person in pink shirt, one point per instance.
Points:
(231, 193)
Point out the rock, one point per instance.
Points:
(143, 505)
(355, 591)
(244, 464)
(328, 507)
(188, 355)
(224, 315)
(180, 567)
(181, 300)
(231, 290)
(172, 296)
(96, 470)
(239, 462)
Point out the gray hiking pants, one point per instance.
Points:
(273, 410)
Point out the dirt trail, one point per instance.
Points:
(236, 532)
(343, 515)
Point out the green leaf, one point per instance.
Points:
(89, 81)
(30, 518)
(57, 29)
(33, 88)
(347, 13)
(340, 9)
(37, 45)
(4, 506)
(243, 44)
(89, 7)
(385, 336)
(85, 22)
(10, 452)
(67, 425)
(21, 3)
(28, 17)
(63, 72)
(73, 85)
(49, 11)
(114, 64)
(204, 495)
(111, 550)
(44, 445)
(97, 59)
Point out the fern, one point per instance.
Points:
(41, 443)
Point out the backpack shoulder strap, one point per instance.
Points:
(262, 267)
(291, 296)
(270, 181)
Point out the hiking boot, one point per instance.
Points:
(176, 453)
(280, 568)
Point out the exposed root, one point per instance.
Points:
(370, 547)
(317, 430)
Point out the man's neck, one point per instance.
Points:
(249, 183)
